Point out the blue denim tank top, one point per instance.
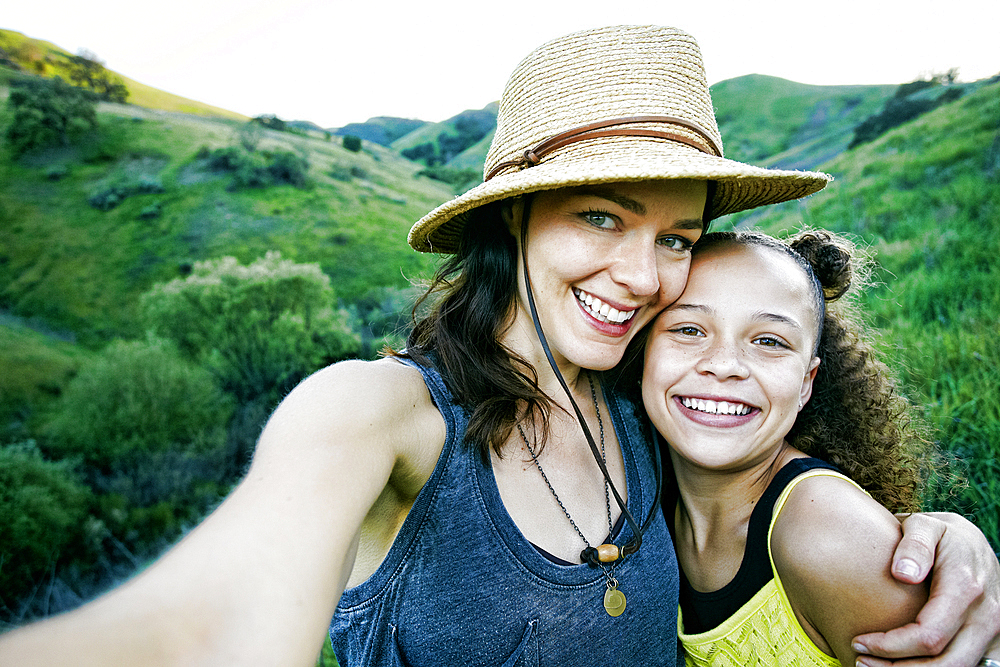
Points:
(462, 586)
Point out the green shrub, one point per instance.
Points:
(253, 169)
(135, 399)
(106, 197)
(47, 112)
(151, 212)
(147, 185)
(287, 167)
(260, 328)
(224, 159)
(251, 172)
(57, 172)
(43, 515)
(352, 143)
(110, 194)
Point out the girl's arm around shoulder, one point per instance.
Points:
(257, 582)
(832, 545)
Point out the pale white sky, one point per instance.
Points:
(340, 62)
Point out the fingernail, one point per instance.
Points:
(859, 662)
(907, 567)
(859, 648)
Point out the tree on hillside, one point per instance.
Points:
(46, 112)
(905, 105)
(43, 511)
(271, 121)
(87, 71)
(259, 328)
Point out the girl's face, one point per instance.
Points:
(604, 261)
(730, 363)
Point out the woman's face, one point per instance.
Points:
(604, 261)
(730, 363)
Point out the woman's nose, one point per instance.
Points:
(635, 267)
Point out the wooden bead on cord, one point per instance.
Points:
(607, 553)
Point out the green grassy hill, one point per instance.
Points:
(778, 123)
(925, 196)
(45, 59)
(81, 268)
(382, 130)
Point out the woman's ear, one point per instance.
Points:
(511, 210)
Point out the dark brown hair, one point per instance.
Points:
(461, 334)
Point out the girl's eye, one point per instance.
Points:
(600, 219)
(678, 243)
(769, 341)
(687, 331)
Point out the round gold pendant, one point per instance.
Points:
(614, 602)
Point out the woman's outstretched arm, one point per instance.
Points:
(257, 582)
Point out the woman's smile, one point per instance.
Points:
(602, 311)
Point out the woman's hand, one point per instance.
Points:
(961, 619)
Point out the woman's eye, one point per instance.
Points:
(599, 219)
(686, 331)
(678, 243)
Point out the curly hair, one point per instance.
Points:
(857, 419)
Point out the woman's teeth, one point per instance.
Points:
(715, 407)
(602, 311)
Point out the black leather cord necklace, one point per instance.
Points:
(589, 555)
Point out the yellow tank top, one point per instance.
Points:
(764, 632)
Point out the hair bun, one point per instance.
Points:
(830, 257)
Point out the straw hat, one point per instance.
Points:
(623, 103)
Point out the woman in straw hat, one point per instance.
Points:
(484, 497)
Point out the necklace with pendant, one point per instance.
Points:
(605, 554)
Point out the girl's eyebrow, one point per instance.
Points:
(761, 316)
(779, 319)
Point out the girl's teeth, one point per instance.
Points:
(716, 407)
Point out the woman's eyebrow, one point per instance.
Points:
(627, 203)
(632, 205)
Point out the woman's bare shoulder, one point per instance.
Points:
(373, 404)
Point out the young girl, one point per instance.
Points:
(747, 377)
